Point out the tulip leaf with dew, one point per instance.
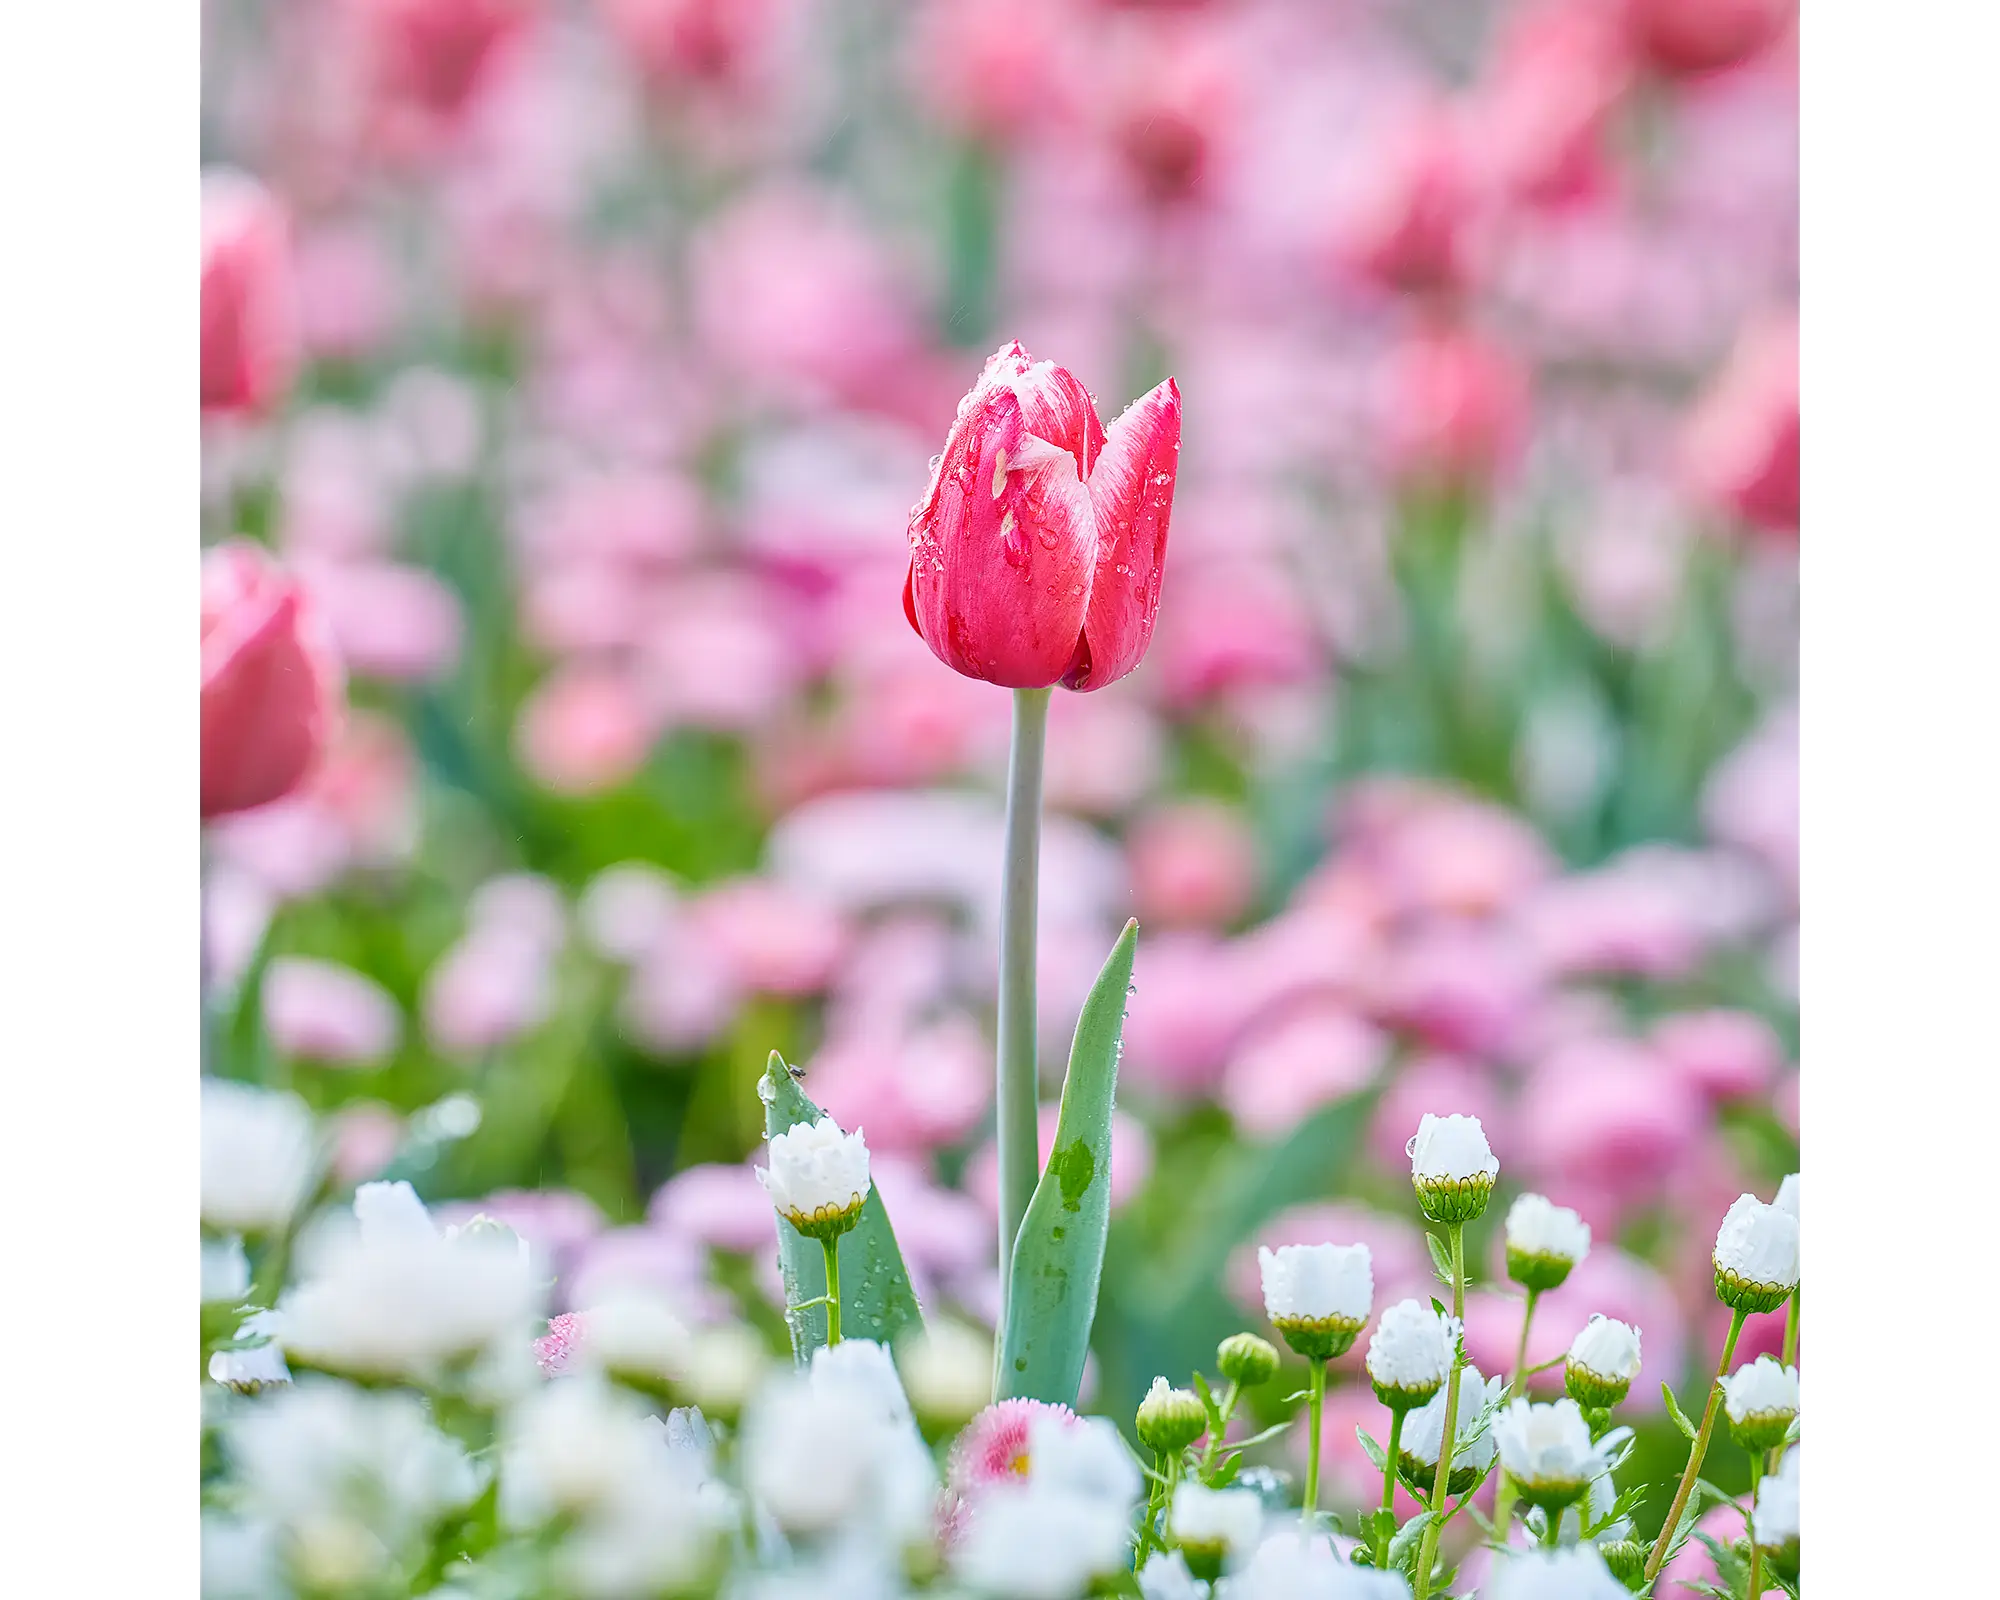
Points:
(877, 1301)
(1059, 1255)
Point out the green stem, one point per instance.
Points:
(1315, 1405)
(1214, 1446)
(1389, 1482)
(832, 1249)
(1696, 1453)
(1552, 1534)
(1756, 1550)
(1449, 1443)
(1791, 1359)
(1503, 1500)
(1015, 1084)
(1156, 1500)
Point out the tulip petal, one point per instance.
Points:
(1001, 547)
(1054, 405)
(1132, 497)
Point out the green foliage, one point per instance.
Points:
(1059, 1255)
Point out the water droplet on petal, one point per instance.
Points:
(1048, 538)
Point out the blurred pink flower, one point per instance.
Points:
(678, 43)
(1610, 1117)
(1740, 450)
(1313, 952)
(1131, 1160)
(774, 937)
(627, 909)
(1104, 752)
(1538, 123)
(488, 989)
(556, 1222)
(1309, 1057)
(365, 1136)
(994, 69)
(347, 291)
(681, 995)
(583, 730)
(943, 1234)
(717, 1204)
(913, 1093)
(1250, 629)
(719, 653)
(629, 517)
(1186, 1015)
(1347, 1476)
(322, 1011)
(1763, 1335)
(993, 1448)
(649, 1257)
(556, 1349)
(1752, 798)
(434, 55)
(1192, 862)
(1725, 1055)
(1456, 856)
(1167, 95)
(1454, 407)
(271, 684)
(1409, 221)
(249, 333)
(1623, 917)
(389, 621)
(1463, 989)
(1685, 38)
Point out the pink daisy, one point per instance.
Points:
(556, 1348)
(994, 1446)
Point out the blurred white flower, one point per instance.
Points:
(1222, 1525)
(1311, 1281)
(239, 1559)
(634, 1332)
(725, 1362)
(249, 1371)
(818, 1455)
(1450, 1148)
(356, 1479)
(1288, 1565)
(1086, 1460)
(260, 1157)
(387, 1295)
(1167, 1578)
(864, 1369)
(817, 1173)
(1774, 1522)
(1577, 1572)
(948, 1372)
(1547, 1451)
(225, 1271)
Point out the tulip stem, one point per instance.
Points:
(1447, 1445)
(832, 1248)
(1016, 1089)
(1315, 1406)
(1696, 1452)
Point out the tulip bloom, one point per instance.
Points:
(1036, 553)
(270, 682)
(249, 342)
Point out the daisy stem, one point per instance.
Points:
(1791, 1359)
(1015, 1085)
(832, 1249)
(1315, 1405)
(1503, 1503)
(1447, 1444)
(1389, 1481)
(1756, 1550)
(1696, 1453)
(1214, 1446)
(1149, 1535)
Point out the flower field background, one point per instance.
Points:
(586, 361)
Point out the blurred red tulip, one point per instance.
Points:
(434, 54)
(994, 69)
(249, 337)
(1036, 554)
(1685, 38)
(689, 41)
(1408, 224)
(1740, 452)
(271, 686)
(1542, 117)
(1455, 408)
(1167, 97)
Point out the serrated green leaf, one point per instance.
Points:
(1059, 1253)
(1403, 1548)
(1440, 1258)
(1208, 1401)
(1375, 1451)
(876, 1300)
(1679, 1416)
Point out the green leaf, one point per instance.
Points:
(1271, 1432)
(1440, 1259)
(1674, 1411)
(1208, 1401)
(876, 1300)
(1403, 1548)
(1225, 1472)
(1059, 1253)
(1375, 1453)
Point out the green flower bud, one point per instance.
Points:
(1532, 1270)
(1170, 1419)
(1625, 1557)
(1320, 1338)
(1245, 1359)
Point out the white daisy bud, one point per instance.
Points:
(1215, 1528)
(1756, 1256)
(1170, 1419)
(1762, 1399)
(1452, 1167)
(1318, 1295)
(1410, 1353)
(948, 1373)
(1577, 1572)
(635, 1336)
(1774, 1522)
(259, 1157)
(1544, 1242)
(1472, 1454)
(1603, 1360)
(1788, 1194)
(724, 1364)
(818, 1177)
(250, 1371)
(1547, 1451)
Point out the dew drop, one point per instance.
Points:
(1048, 538)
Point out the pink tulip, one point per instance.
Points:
(1540, 123)
(994, 69)
(434, 55)
(271, 686)
(690, 42)
(322, 1011)
(1454, 408)
(1192, 863)
(249, 335)
(1740, 452)
(1409, 223)
(1037, 551)
(1686, 38)
(1167, 99)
